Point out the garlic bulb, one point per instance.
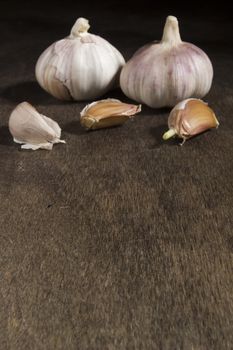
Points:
(189, 118)
(33, 130)
(107, 113)
(163, 73)
(80, 67)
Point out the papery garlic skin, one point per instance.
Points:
(189, 118)
(33, 130)
(163, 73)
(79, 67)
(107, 113)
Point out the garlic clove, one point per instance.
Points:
(107, 113)
(189, 118)
(32, 129)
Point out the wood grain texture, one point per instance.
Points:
(116, 240)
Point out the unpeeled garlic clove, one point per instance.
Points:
(32, 129)
(107, 113)
(189, 118)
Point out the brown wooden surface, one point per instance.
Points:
(116, 240)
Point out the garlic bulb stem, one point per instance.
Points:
(80, 27)
(168, 134)
(171, 33)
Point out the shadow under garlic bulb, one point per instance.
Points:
(163, 73)
(79, 67)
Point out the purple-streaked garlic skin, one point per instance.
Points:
(79, 67)
(163, 73)
(189, 118)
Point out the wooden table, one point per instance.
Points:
(116, 240)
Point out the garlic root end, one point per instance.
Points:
(168, 134)
(48, 146)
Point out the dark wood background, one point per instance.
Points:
(116, 240)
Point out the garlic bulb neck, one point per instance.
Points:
(80, 27)
(171, 33)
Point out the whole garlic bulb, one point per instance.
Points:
(163, 73)
(81, 66)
